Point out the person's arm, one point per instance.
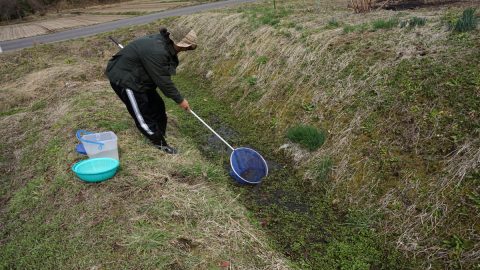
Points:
(168, 88)
(155, 66)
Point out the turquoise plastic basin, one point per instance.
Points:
(96, 169)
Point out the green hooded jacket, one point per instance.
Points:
(145, 64)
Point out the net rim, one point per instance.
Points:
(233, 168)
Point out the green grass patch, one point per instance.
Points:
(115, 126)
(254, 95)
(333, 24)
(323, 168)
(456, 245)
(308, 136)
(38, 105)
(352, 252)
(11, 111)
(251, 80)
(265, 16)
(208, 172)
(262, 60)
(467, 22)
(360, 28)
(384, 24)
(284, 33)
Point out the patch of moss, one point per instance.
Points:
(308, 136)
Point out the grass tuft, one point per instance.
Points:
(251, 80)
(266, 16)
(332, 24)
(355, 28)
(467, 22)
(262, 60)
(417, 21)
(308, 136)
(413, 22)
(384, 24)
(323, 168)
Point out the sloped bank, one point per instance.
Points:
(302, 218)
(401, 109)
(398, 167)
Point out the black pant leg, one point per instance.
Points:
(122, 94)
(139, 107)
(157, 108)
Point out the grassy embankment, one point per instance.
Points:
(150, 216)
(397, 176)
(397, 94)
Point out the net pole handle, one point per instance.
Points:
(116, 42)
(211, 129)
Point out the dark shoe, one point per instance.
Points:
(167, 149)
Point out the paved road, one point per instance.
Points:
(109, 26)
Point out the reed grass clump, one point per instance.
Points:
(467, 22)
(384, 24)
(361, 6)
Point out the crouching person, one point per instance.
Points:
(137, 70)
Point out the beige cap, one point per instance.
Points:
(181, 38)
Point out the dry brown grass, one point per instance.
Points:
(34, 86)
(361, 6)
(464, 160)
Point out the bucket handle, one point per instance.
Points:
(79, 137)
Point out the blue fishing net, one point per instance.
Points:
(248, 166)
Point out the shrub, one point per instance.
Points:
(308, 136)
(467, 22)
(12, 10)
(360, 6)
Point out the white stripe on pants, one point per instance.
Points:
(139, 116)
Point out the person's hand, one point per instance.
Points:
(184, 105)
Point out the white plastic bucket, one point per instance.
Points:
(99, 145)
